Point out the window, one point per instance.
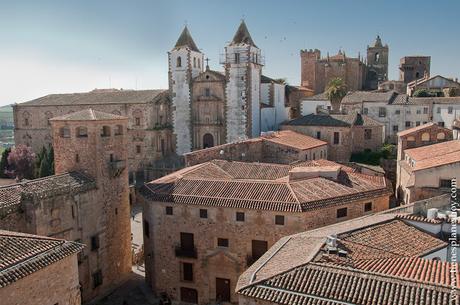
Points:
(417, 123)
(187, 242)
(318, 134)
(450, 109)
(395, 128)
(368, 207)
(179, 62)
(367, 134)
(97, 278)
(207, 92)
(365, 110)
(65, 132)
(169, 210)
(279, 220)
(138, 149)
(119, 130)
(199, 63)
(188, 295)
(447, 183)
(105, 131)
(146, 228)
(336, 137)
(438, 110)
(314, 156)
(222, 242)
(223, 290)
(194, 62)
(94, 242)
(407, 123)
(441, 124)
(419, 111)
(203, 213)
(138, 121)
(441, 136)
(77, 158)
(382, 112)
(187, 272)
(259, 247)
(239, 216)
(26, 121)
(82, 132)
(425, 137)
(237, 58)
(342, 212)
(398, 111)
(425, 110)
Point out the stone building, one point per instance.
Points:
(38, 270)
(437, 84)
(398, 112)
(283, 147)
(414, 67)
(377, 259)
(344, 133)
(317, 71)
(428, 170)
(205, 224)
(85, 201)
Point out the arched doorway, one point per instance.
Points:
(208, 140)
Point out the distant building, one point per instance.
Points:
(414, 67)
(344, 133)
(282, 147)
(377, 259)
(38, 270)
(437, 84)
(317, 71)
(205, 224)
(428, 170)
(85, 201)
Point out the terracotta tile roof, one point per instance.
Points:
(294, 139)
(24, 254)
(297, 270)
(99, 97)
(419, 219)
(434, 155)
(73, 182)
(88, 115)
(263, 186)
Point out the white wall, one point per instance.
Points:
(309, 106)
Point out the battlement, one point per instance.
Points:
(310, 54)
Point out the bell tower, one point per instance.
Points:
(243, 68)
(377, 64)
(185, 63)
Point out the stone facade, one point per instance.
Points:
(86, 201)
(54, 284)
(317, 71)
(414, 67)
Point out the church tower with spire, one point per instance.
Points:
(185, 63)
(243, 67)
(377, 64)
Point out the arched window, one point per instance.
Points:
(65, 132)
(116, 112)
(179, 61)
(376, 57)
(105, 131)
(82, 132)
(441, 136)
(26, 117)
(425, 137)
(119, 130)
(208, 140)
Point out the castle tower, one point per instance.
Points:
(377, 64)
(185, 63)
(95, 144)
(243, 67)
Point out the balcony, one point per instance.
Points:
(116, 167)
(186, 252)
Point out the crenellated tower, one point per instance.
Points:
(243, 63)
(185, 63)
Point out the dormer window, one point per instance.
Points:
(179, 62)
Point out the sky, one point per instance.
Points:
(75, 46)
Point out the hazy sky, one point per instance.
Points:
(73, 46)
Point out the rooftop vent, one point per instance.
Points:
(331, 241)
(432, 213)
(308, 172)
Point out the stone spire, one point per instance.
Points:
(242, 36)
(378, 42)
(186, 40)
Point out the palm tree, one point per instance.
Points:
(335, 91)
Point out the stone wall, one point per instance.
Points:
(163, 266)
(54, 284)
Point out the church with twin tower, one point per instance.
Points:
(211, 107)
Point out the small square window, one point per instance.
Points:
(203, 213)
(395, 128)
(222, 242)
(445, 183)
(342, 212)
(398, 111)
(279, 220)
(368, 207)
(407, 123)
(239, 216)
(169, 210)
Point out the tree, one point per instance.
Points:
(335, 91)
(44, 169)
(21, 161)
(423, 93)
(4, 163)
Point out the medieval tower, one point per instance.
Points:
(94, 144)
(377, 64)
(243, 66)
(185, 63)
